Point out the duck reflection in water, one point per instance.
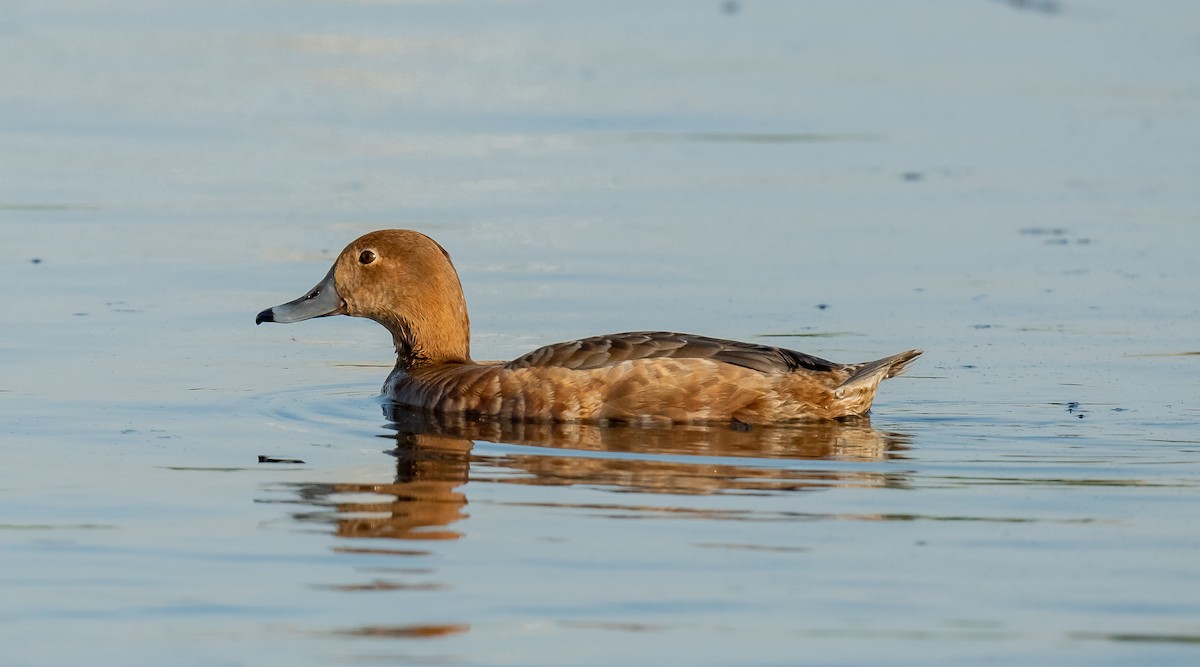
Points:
(434, 461)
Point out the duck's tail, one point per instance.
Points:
(872, 372)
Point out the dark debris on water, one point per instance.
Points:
(271, 459)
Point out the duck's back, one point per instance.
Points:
(648, 377)
(601, 351)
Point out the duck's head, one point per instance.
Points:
(400, 278)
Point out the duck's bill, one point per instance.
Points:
(321, 301)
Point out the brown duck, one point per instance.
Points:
(405, 281)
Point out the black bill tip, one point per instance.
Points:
(267, 315)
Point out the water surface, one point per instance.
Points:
(1010, 186)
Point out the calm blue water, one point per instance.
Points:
(1010, 186)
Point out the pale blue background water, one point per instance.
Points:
(1009, 186)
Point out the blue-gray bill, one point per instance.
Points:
(321, 301)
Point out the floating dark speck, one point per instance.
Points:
(36, 260)
(912, 176)
(272, 459)
(822, 306)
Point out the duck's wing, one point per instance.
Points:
(600, 351)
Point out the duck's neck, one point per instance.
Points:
(437, 338)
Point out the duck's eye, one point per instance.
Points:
(366, 257)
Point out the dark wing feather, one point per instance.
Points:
(600, 351)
